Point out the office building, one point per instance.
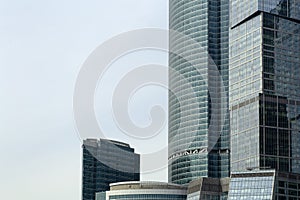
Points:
(105, 162)
(198, 142)
(143, 190)
(264, 89)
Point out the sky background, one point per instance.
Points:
(42, 47)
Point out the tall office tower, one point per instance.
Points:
(196, 148)
(265, 89)
(105, 162)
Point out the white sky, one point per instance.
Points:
(42, 46)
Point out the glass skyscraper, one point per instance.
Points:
(105, 162)
(264, 89)
(192, 150)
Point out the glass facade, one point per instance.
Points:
(265, 93)
(252, 185)
(280, 102)
(242, 9)
(190, 111)
(106, 162)
(245, 86)
(287, 186)
(264, 97)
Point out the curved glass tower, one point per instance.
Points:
(196, 149)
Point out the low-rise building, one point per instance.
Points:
(136, 190)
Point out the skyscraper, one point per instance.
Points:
(264, 94)
(105, 162)
(190, 112)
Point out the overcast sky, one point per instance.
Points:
(42, 47)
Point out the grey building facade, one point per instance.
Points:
(193, 152)
(105, 162)
(264, 88)
(208, 189)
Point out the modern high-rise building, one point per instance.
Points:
(196, 148)
(105, 162)
(264, 91)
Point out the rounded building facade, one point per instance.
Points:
(196, 149)
(143, 190)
